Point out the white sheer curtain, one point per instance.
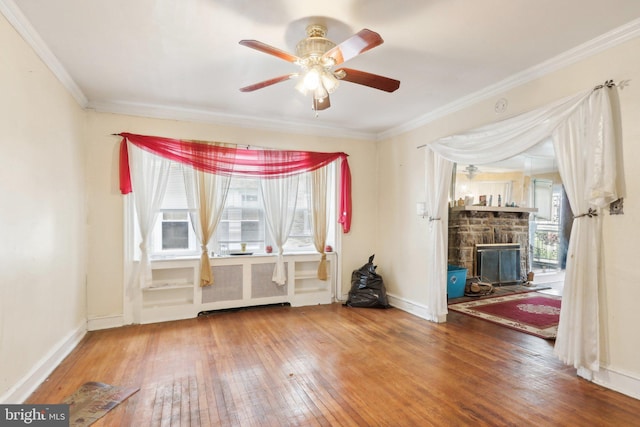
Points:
(206, 195)
(587, 148)
(149, 175)
(507, 138)
(279, 196)
(438, 179)
(319, 217)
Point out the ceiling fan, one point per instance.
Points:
(317, 56)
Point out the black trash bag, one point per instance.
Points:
(367, 288)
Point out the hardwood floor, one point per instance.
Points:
(334, 366)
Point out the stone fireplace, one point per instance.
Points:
(470, 226)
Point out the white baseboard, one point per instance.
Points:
(417, 309)
(41, 370)
(105, 322)
(621, 382)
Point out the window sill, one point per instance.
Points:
(253, 255)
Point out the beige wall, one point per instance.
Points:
(401, 171)
(62, 214)
(105, 259)
(42, 217)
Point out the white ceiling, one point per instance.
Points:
(181, 59)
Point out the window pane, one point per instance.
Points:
(301, 223)
(251, 231)
(175, 235)
(243, 216)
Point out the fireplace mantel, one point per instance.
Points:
(493, 209)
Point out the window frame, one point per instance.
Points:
(156, 252)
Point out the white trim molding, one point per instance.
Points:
(17, 19)
(615, 380)
(411, 307)
(599, 44)
(22, 25)
(43, 368)
(105, 322)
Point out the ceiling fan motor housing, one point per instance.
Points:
(315, 45)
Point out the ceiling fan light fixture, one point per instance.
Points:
(329, 81)
(300, 86)
(312, 78)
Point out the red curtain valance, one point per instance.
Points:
(238, 161)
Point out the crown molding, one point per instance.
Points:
(606, 41)
(226, 119)
(17, 19)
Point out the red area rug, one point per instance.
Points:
(533, 313)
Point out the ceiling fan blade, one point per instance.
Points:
(269, 82)
(321, 104)
(372, 80)
(263, 47)
(354, 46)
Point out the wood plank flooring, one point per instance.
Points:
(331, 365)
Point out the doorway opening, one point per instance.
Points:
(529, 180)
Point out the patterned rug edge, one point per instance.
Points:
(497, 294)
(466, 307)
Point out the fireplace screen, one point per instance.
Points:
(498, 263)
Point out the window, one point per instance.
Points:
(243, 217)
(173, 234)
(301, 234)
(242, 221)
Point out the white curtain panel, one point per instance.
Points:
(149, 176)
(585, 146)
(206, 196)
(587, 150)
(438, 179)
(279, 196)
(319, 215)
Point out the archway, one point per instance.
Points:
(585, 138)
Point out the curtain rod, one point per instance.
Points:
(611, 83)
(237, 145)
